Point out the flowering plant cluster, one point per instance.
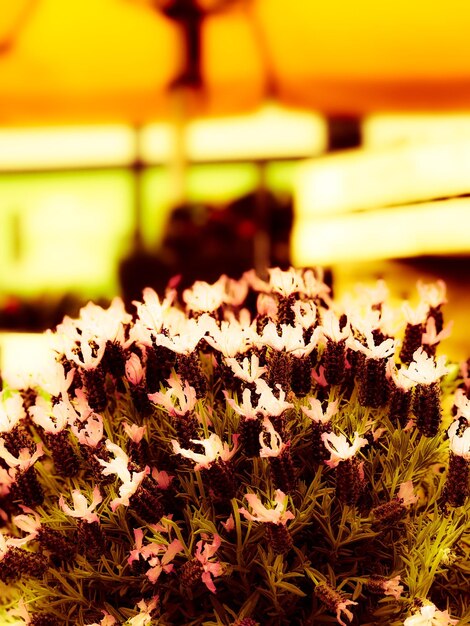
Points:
(250, 452)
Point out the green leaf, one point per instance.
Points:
(290, 588)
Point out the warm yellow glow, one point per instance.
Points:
(366, 179)
(65, 147)
(366, 39)
(234, 71)
(389, 130)
(271, 132)
(22, 355)
(427, 228)
(87, 60)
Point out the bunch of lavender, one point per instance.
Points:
(197, 462)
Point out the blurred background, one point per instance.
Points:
(143, 139)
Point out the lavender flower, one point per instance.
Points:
(274, 519)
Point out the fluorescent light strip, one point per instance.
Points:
(367, 179)
(428, 228)
(66, 147)
(389, 130)
(271, 132)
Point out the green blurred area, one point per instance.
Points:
(67, 231)
(63, 231)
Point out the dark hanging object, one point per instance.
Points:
(344, 131)
(189, 15)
